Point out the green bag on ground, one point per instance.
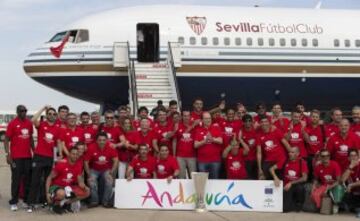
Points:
(337, 193)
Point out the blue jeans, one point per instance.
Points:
(213, 168)
(102, 177)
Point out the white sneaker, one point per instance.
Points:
(14, 207)
(30, 209)
(76, 206)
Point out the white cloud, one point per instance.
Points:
(15, 4)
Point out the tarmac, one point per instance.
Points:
(96, 214)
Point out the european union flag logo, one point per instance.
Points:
(268, 190)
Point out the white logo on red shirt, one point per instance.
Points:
(161, 168)
(87, 136)
(236, 165)
(344, 148)
(49, 137)
(251, 142)
(313, 138)
(75, 139)
(295, 135)
(328, 177)
(292, 173)
(143, 170)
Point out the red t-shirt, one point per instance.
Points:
(293, 170)
(136, 124)
(71, 137)
(185, 142)
(331, 129)
(20, 134)
(355, 177)
(316, 137)
(250, 138)
(282, 124)
(66, 173)
(143, 169)
(355, 128)
(47, 139)
(113, 133)
(229, 130)
(209, 152)
(327, 174)
(235, 166)
(305, 119)
(100, 159)
(271, 147)
(166, 167)
(257, 118)
(196, 116)
(147, 139)
(160, 132)
(297, 139)
(61, 124)
(126, 155)
(339, 148)
(90, 132)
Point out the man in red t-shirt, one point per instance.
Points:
(327, 172)
(61, 121)
(355, 126)
(65, 184)
(90, 130)
(278, 120)
(248, 135)
(270, 149)
(340, 143)
(143, 113)
(101, 164)
(184, 146)
(351, 177)
(95, 119)
(167, 166)
(294, 175)
(146, 136)
(234, 161)
(163, 131)
(18, 148)
(142, 166)
(48, 138)
(296, 132)
(208, 142)
(333, 127)
(230, 127)
(70, 135)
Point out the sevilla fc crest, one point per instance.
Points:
(197, 24)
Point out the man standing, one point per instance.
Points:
(296, 132)
(90, 130)
(208, 142)
(70, 135)
(143, 113)
(164, 131)
(333, 127)
(101, 163)
(355, 127)
(340, 143)
(249, 136)
(146, 136)
(234, 161)
(47, 142)
(63, 111)
(295, 175)
(278, 120)
(18, 153)
(230, 127)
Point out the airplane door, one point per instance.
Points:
(147, 35)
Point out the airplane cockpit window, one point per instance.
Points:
(271, 42)
(75, 36)
(282, 42)
(260, 41)
(215, 41)
(357, 43)
(336, 43)
(181, 40)
(293, 42)
(192, 40)
(304, 42)
(238, 41)
(204, 41)
(226, 41)
(347, 43)
(249, 41)
(315, 42)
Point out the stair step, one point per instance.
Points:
(154, 87)
(152, 83)
(157, 96)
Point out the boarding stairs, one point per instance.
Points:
(150, 82)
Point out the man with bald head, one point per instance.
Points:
(340, 144)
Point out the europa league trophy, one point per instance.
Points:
(200, 180)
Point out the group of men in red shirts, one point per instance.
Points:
(72, 161)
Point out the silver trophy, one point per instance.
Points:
(200, 180)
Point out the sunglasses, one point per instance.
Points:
(23, 110)
(109, 117)
(323, 156)
(51, 114)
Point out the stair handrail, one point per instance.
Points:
(171, 64)
(132, 83)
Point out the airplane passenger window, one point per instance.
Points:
(226, 41)
(357, 43)
(315, 42)
(336, 43)
(204, 40)
(282, 41)
(238, 41)
(304, 42)
(249, 41)
(271, 41)
(58, 37)
(215, 41)
(192, 40)
(82, 36)
(347, 43)
(181, 40)
(293, 42)
(260, 41)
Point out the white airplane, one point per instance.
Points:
(250, 54)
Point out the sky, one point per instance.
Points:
(26, 24)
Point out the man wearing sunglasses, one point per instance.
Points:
(71, 135)
(18, 148)
(48, 139)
